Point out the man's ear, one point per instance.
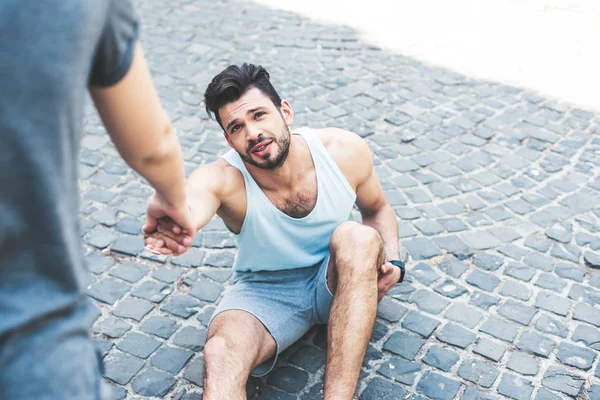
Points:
(287, 112)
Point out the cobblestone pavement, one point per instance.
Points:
(496, 189)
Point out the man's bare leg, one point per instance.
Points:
(237, 343)
(356, 254)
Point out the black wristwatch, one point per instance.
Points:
(399, 264)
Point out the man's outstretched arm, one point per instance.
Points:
(141, 130)
(204, 189)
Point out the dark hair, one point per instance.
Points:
(229, 85)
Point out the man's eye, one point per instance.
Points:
(259, 114)
(235, 128)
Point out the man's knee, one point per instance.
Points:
(357, 244)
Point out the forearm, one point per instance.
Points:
(161, 164)
(384, 221)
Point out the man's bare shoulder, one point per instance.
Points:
(219, 177)
(350, 152)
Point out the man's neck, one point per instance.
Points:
(289, 173)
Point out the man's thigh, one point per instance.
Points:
(54, 360)
(276, 305)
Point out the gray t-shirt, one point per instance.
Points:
(51, 51)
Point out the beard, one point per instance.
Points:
(270, 161)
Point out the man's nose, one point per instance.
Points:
(253, 132)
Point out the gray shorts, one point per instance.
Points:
(287, 302)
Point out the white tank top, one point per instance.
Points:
(271, 240)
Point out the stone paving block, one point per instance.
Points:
(167, 275)
(452, 224)
(420, 324)
(515, 387)
(421, 248)
(552, 326)
(480, 240)
(498, 213)
(390, 310)
(450, 289)
(380, 388)
(112, 327)
(191, 338)
(206, 290)
(586, 313)
(429, 227)
(400, 370)
(133, 308)
(97, 263)
(192, 258)
(309, 358)
(121, 367)
(519, 271)
(160, 326)
(471, 393)
(464, 314)
(562, 380)
(587, 335)
(566, 252)
(550, 281)
(545, 394)
(424, 273)
(128, 245)
(500, 329)
(488, 262)
(536, 344)
(428, 301)
(441, 358)
(478, 372)
(152, 291)
(108, 290)
(171, 359)
(539, 261)
(129, 226)
(129, 272)
(516, 290)
(538, 242)
(560, 235)
(518, 312)
(138, 345)
(453, 244)
(402, 291)
(570, 271)
(456, 335)
(453, 266)
(194, 371)
(591, 259)
(594, 392)
(483, 280)
(404, 344)
(182, 306)
(437, 386)
(523, 363)
(289, 379)
(575, 356)
(553, 303)
(483, 300)
(489, 349)
(153, 383)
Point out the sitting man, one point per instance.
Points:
(288, 197)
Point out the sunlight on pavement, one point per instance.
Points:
(550, 46)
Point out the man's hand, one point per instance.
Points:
(389, 275)
(168, 226)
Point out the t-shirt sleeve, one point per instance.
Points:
(114, 52)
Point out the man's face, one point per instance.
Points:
(257, 130)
